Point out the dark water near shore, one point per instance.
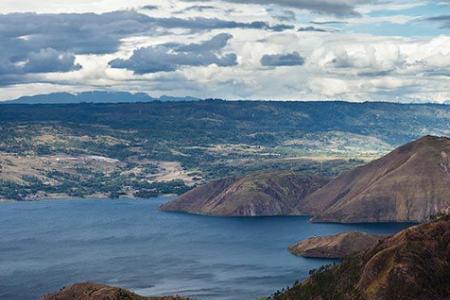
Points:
(46, 245)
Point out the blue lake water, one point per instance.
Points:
(49, 244)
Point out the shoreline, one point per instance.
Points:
(93, 197)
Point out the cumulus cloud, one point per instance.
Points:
(186, 47)
(43, 61)
(289, 59)
(170, 57)
(49, 60)
(216, 43)
(50, 42)
(374, 56)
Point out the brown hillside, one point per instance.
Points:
(411, 183)
(335, 246)
(261, 194)
(413, 264)
(93, 291)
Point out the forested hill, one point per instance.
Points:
(145, 149)
(247, 121)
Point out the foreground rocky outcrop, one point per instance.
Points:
(413, 264)
(335, 246)
(260, 194)
(93, 291)
(410, 184)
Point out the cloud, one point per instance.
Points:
(372, 56)
(201, 23)
(183, 48)
(44, 61)
(312, 29)
(283, 15)
(100, 33)
(50, 60)
(78, 33)
(444, 20)
(199, 8)
(150, 7)
(170, 57)
(50, 42)
(216, 43)
(334, 7)
(328, 22)
(289, 59)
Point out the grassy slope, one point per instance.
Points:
(413, 264)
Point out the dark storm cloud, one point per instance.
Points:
(170, 57)
(289, 59)
(334, 7)
(444, 20)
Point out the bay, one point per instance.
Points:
(48, 244)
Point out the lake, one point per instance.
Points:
(129, 243)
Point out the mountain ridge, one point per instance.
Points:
(409, 184)
(261, 194)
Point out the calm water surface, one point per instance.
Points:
(48, 244)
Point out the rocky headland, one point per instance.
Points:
(335, 246)
(94, 291)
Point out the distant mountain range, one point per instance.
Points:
(94, 97)
(116, 97)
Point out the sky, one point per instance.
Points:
(354, 50)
